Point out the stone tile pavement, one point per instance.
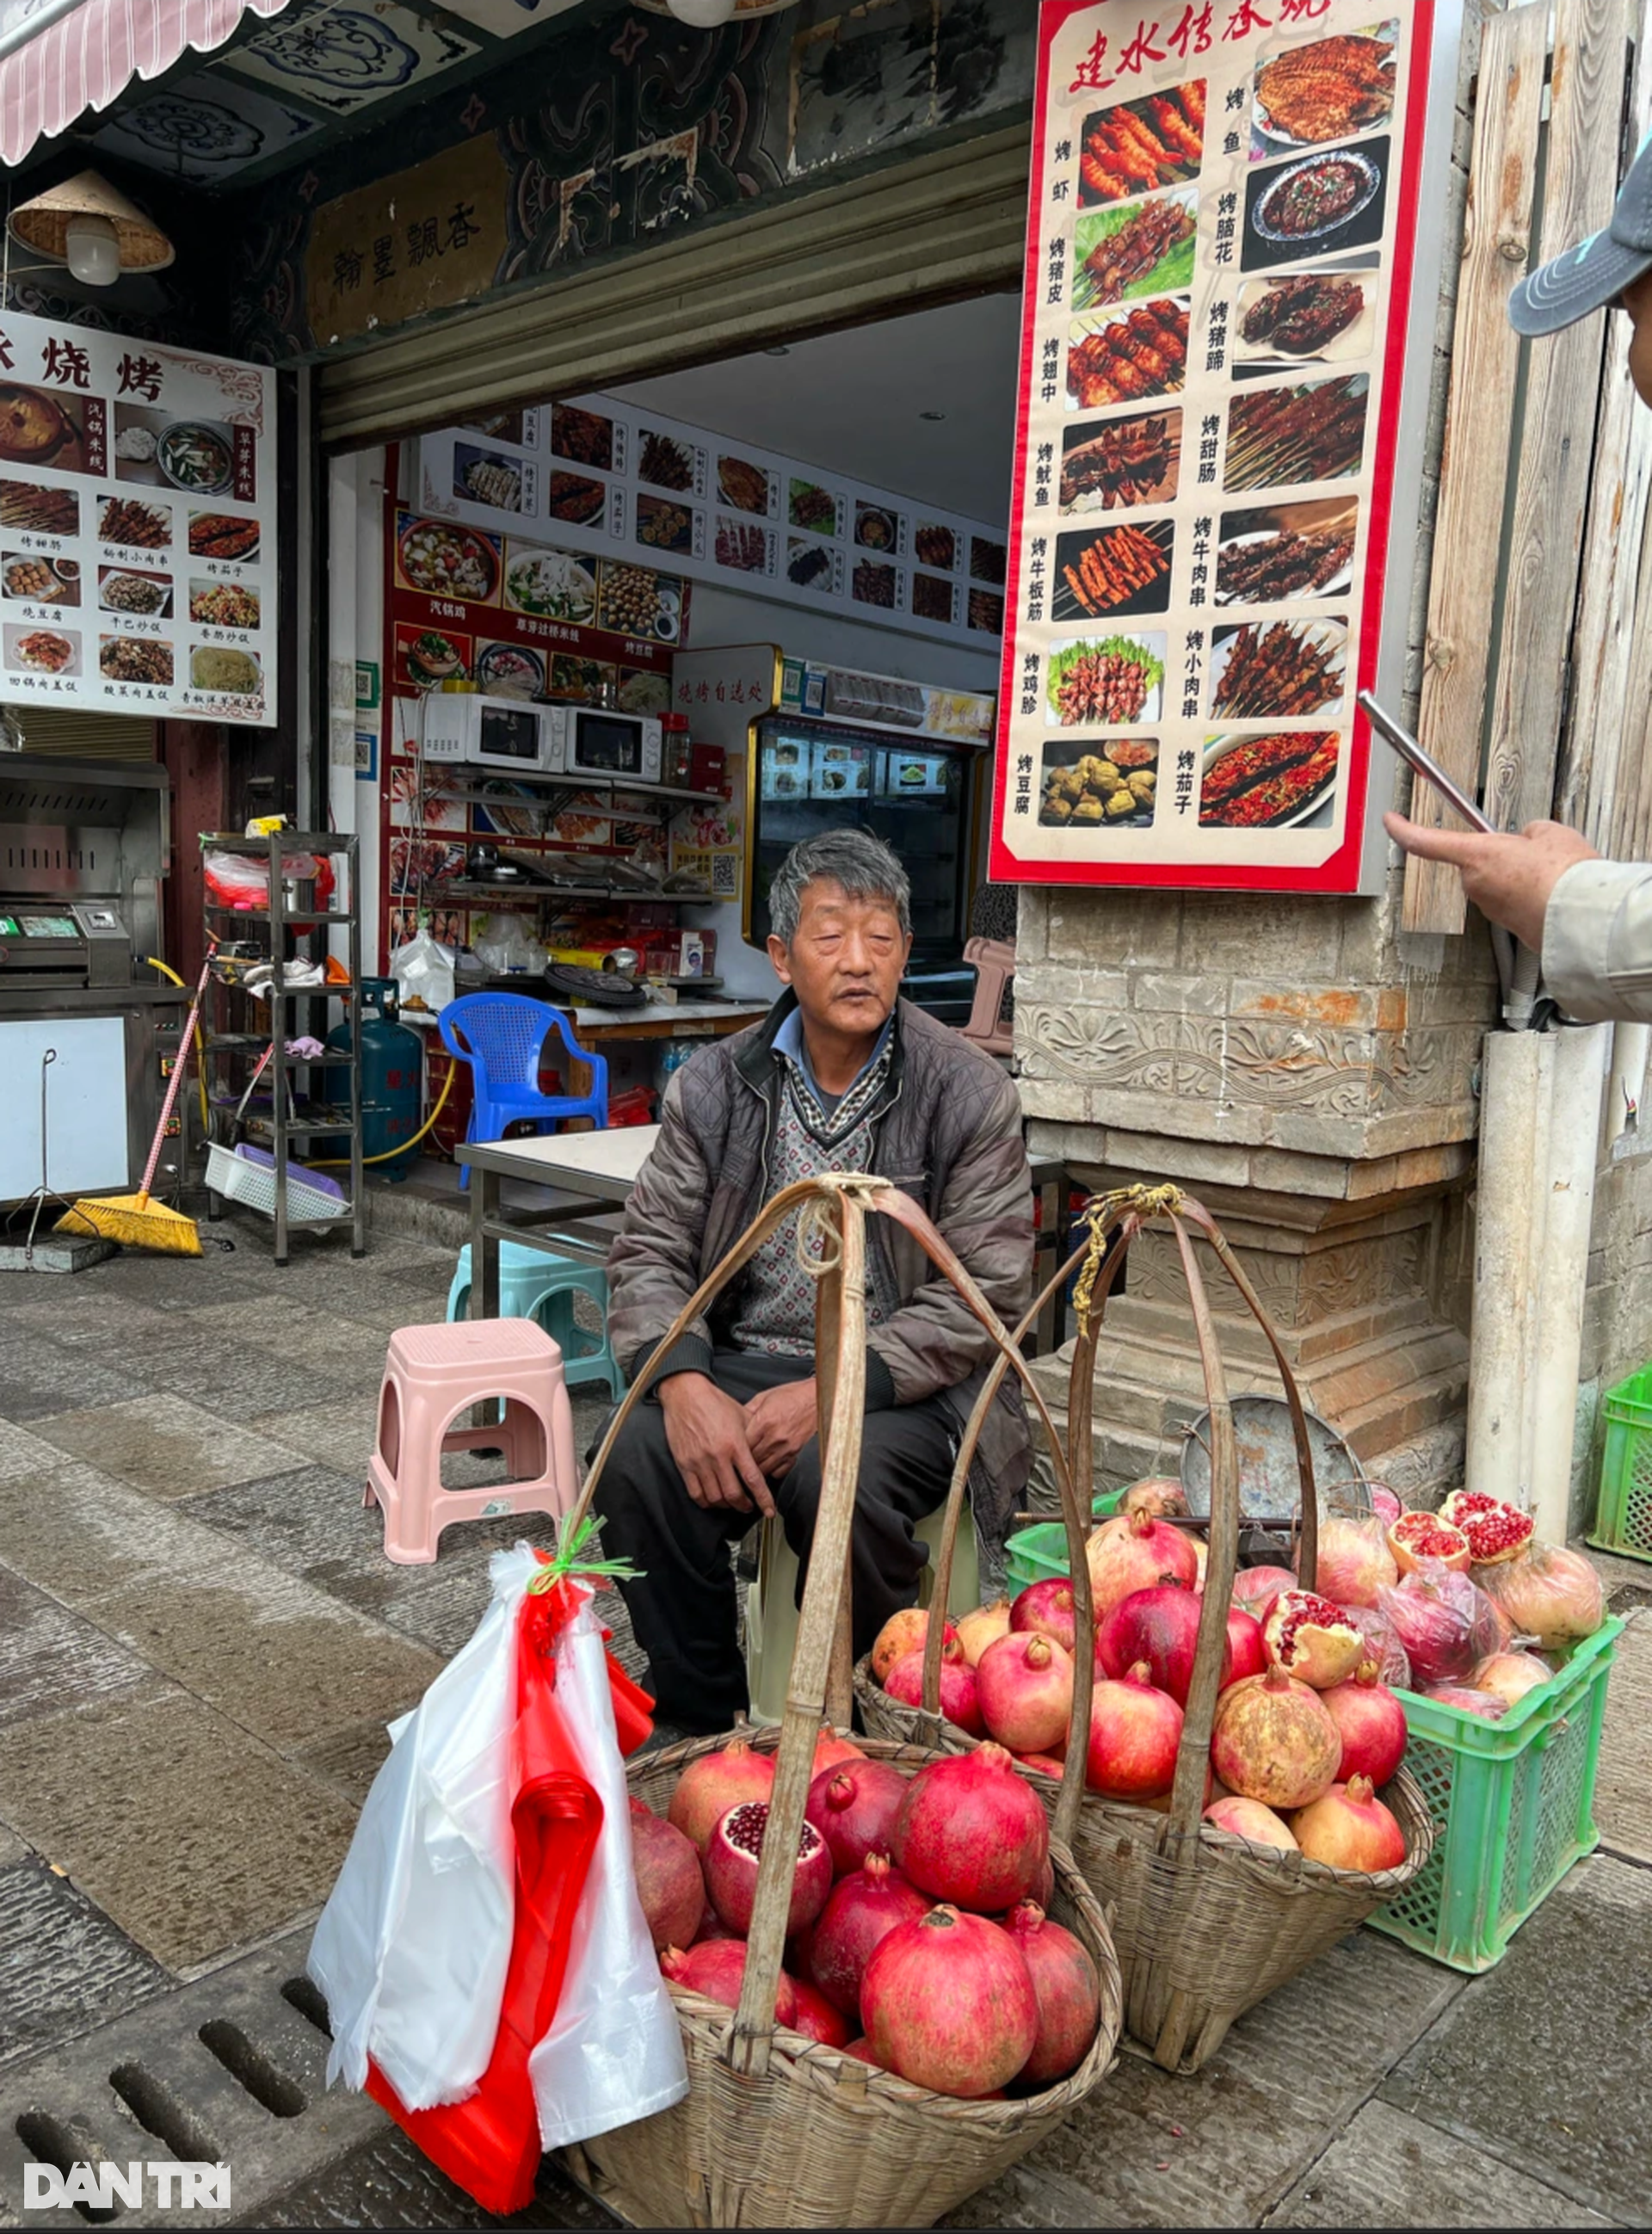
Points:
(201, 1644)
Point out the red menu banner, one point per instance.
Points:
(1221, 245)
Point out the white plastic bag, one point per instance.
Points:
(614, 2052)
(423, 969)
(412, 1948)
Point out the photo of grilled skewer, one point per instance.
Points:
(1122, 569)
(1144, 248)
(1313, 432)
(1124, 463)
(1137, 145)
(1274, 554)
(1125, 356)
(1274, 670)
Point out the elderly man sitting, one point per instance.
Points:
(842, 1075)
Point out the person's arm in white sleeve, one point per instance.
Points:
(1597, 942)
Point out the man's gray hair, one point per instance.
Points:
(866, 868)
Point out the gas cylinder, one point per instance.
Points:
(391, 1075)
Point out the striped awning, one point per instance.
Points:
(59, 58)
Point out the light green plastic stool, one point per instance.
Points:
(771, 1604)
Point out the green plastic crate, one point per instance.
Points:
(1033, 1554)
(1623, 1521)
(1513, 1808)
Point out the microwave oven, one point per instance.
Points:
(495, 733)
(596, 740)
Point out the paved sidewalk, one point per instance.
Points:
(200, 1644)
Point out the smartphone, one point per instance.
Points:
(1413, 755)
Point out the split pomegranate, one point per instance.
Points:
(1469, 1699)
(669, 1882)
(1133, 1553)
(733, 1852)
(1552, 1595)
(816, 2018)
(708, 1787)
(984, 1627)
(902, 1633)
(865, 1905)
(831, 1750)
(1355, 1562)
(1510, 1675)
(1249, 1819)
(1255, 1589)
(855, 1809)
(1371, 1722)
(1134, 1731)
(971, 1831)
(716, 1968)
(1025, 1686)
(1417, 1536)
(1045, 1608)
(1311, 1639)
(959, 1696)
(948, 2002)
(1274, 1741)
(1159, 1494)
(1496, 1532)
(1351, 1829)
(1067, 1988)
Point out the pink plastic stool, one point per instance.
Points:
(431, 1373)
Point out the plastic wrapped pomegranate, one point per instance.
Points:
(1445, 1623)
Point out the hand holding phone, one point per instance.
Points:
(1414, 757)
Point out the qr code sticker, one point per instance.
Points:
(724, 881)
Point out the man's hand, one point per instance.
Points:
(778, 1421)
(1508, 877)
(706, 1431)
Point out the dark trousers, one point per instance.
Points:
(684, 1610)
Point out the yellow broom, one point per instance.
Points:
(133, 1220)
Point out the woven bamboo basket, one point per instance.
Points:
(775, 2130)
(1206, 1925)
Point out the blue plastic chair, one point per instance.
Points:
(504, 1033)
(534, 1284)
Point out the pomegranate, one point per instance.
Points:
(1355, 1562)
(860, 2049)
(959, 1695)
(1249, 1819)
(1159, 1626)
(1025, 1683)
(1510, 1675)
(902, 1633)
(1133, 1553)
(815, 2017)
(1443, 1620)
(948, 2002)
(1552, 1595)
(1043, 1764)
(712, 1927)
(669, 1882)
(1417, 1536)
(972, 1831)
(1372, 1723)
(1065, 1988)
(1496, 1532)
(1274, 1741)
(855, 1809)
(1382, 1645)
(1385, 1506)
(1247, 1648)
(708, 1787)
(832, 1749)
(984, 1627)
(1134, 1732)
(1468, 1699)
(1255, 1589)
(732, 1855)
(1159, 1494)
(1351, 1829)
(1046, 1610)
(716, 1968)
(1311, 1639)
(872, 1900)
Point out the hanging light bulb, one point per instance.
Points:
(703, 14)
(91, 226)
(92, 248)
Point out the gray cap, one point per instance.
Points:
(1597, 271)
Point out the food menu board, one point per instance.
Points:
(137, 526)
(604, 478)
(1220, 252)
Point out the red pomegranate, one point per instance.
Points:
(948, 2003)
(1371, 1722)
(1067, 1988)
(816, 2019)
(1045, 1608)
(716, 1969)
(1467, 1699)
(862, 2053)
(1496, 1532)
(959, 1695)
(832, 1749)
(855, 1809)
(1425, 1536)
(1134, 1732)
(1133, 1553)
(1311, 1639)
(1509, 1675)
(1552, 1595)
(1025, 1685)
(1247, 1650)
(971, 1831)
(1355, 1562)
(712, 1927)
(1275, 1741)
(1159, 1626)
(1255, 1589)
(1351, 1829)
(902, 1633)
(984, 1627)
(669, 1882)
(1159, 1494)
(1044, 1764)
(1249, 1819)
(733, 1852)
(708, 1787)
(863, 1907)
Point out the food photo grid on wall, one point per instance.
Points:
(1219, 255)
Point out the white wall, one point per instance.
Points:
(355, 630)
